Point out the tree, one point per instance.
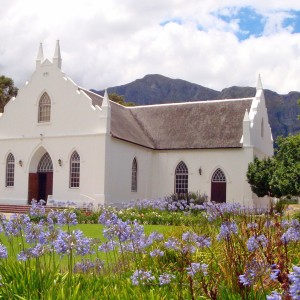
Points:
(119, 99)
(7, 91)
(259, 176)
(286, 177)
(280, 175)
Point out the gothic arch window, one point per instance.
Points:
(74, 170)
(218, 176)
(181, 178)
(134, 171)
(10, 170)
(218, 186)
(44, 108)
(45, 165)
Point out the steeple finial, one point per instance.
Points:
(57, 55)
(40, 55)
(246, 116)
(259, 85)
(105, 101)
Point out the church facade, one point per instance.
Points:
(60, 141)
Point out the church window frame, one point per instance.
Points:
(218, 176)
(74, 170)
(44, 114)
(45, 165)
(10, 171)
(181, 178)
(134, 174)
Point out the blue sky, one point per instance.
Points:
(253, 23)
(214, 43)
(249, 21)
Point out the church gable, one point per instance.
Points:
(50, 104)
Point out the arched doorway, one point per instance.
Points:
(40, 184)
(218, 186)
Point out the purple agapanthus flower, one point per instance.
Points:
(203, 241)
(274, 296)
(172, 243)
(165, 278)
(3, 251)
(291, 235)
(156, 252)
(227, 229)
(142, 277)
(255, 242)
(294, 278)
(195, 268)
(254, 270)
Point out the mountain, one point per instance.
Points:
(156, 89)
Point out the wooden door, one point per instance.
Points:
(33, 187)
(218, 192)
(49, 184)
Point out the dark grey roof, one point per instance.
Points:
(192, 125)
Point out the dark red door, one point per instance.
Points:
(33, 187)
(40, 185)
(218, 192)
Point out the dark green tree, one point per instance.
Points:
(286, 177)
(119, 99)
(7, 91)
(259, 176)
(278, 176)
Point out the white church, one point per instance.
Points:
(60, 141)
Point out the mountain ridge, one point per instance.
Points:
(283, 109)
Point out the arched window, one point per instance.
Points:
(218, 176)
(134, 170)
(10, 170)
(181, 178)
(44, 108)
(74, 170)
(45, 165)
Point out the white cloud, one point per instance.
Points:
(108, 43)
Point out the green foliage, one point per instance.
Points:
(278, 176)
(119, 99)
(7, 91)
(259, 176)
(286, 177)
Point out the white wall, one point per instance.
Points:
(156, 171)
(233, 163)
(119, 158)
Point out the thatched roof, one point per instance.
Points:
(192, 125)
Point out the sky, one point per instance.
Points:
(214, 43)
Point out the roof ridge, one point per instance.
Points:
(191, 102)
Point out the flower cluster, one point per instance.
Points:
(255, 242)
(227, 229)
(293, 232)
(197, 268)
(142, 277)
(295, 283)
(254, 271)
(88, 266)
